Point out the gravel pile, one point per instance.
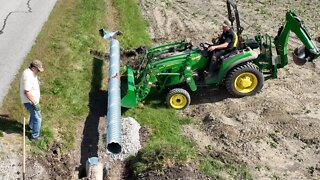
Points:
(130, 140)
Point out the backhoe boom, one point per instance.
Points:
(295, 24)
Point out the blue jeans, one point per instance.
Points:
(35, 120)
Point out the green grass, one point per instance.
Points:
(39, 147)
(132, 25)
(211, 167)
(214, 168)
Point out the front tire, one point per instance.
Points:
(178, 99)
(244, 80)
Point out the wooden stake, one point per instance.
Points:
(24, 148)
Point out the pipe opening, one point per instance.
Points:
(114, 148)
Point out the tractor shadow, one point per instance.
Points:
(205, 95)
(201, 96)
(98, 103)
(154, 100)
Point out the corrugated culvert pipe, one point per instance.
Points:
(114, 96)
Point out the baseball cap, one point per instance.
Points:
(226, 23)
(38, 64)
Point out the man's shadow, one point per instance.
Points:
(98, 102)
(10, 126)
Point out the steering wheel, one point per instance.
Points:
(205, 46)
(215, 41)
(189, 45)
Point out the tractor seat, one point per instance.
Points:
(229, 54)
(253, 44)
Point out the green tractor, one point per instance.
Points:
(177, 67)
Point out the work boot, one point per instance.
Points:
(28, 128)
(38, 138)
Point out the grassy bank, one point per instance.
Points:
(63, 47)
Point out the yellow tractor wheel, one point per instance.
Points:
(244, 80)
(178, 98)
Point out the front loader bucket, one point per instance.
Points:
(128, 89)
(301, 55)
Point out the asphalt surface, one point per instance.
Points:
(20, 23)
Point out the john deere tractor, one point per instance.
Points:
(177, 67)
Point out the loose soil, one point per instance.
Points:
(276, 132)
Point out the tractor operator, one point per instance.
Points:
(227, 42)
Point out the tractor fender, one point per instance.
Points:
(237, 63)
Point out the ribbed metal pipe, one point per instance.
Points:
(114, 102)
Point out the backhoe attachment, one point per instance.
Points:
(302, 54)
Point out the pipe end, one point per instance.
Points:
(114, 148)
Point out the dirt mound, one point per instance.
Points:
(131, 57)
(57, 164)
(186, 172)
(156, 170)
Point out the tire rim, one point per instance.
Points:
(246, 82)
(178, 101)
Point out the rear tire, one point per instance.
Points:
(178, 99)
(244, 80)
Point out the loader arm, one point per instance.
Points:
(295, 24)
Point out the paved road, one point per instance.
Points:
(20, 23)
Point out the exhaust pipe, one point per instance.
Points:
(114, 102)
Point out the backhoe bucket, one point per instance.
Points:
(128, 90)
(301, 55)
